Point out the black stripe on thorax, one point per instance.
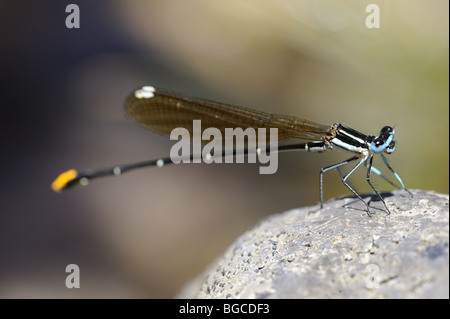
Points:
(351, 137)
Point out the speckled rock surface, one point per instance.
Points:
(338, 252)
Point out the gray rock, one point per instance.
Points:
(338, 252)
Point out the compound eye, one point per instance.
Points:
(386, 130)
(378, 142)
(378, 145)
(390, 148)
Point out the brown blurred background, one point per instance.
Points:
(148, 232)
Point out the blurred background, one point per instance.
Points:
(148, 232)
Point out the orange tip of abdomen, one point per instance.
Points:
(61, 181)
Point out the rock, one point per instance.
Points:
(338, 252)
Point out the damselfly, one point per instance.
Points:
(162, 111)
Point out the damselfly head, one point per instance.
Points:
(384, 142)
